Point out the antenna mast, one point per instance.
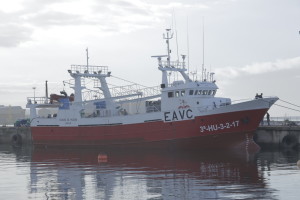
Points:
(176, 35)
(46, 85)
(203, 47)
(167, 38)
(188, 45)
(87, 57)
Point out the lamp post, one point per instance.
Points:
(34, 94)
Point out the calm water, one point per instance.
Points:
(28, 173)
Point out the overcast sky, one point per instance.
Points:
(253, 46)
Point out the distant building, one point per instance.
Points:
(10, 114)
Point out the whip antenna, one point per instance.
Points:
(175, 27)
(188, 46)
(203, 41)
(87, 57)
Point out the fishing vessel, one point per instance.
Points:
(185, 113)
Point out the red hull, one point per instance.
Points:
(212, 131)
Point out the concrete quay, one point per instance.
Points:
(287, 137)
(15, 135)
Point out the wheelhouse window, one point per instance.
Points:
(200, 91)
(182, 93)
(191, 92)
(176, 93)
(214, 92)
(209, 92)
(204, 92)
(170, 94)
(196, 92)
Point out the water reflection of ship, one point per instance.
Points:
(268, 159)
(76, 174)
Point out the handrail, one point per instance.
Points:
(173, 64)
(37, 100)
(133, 91)
(89, 68)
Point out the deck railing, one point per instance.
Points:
(281, 121)
(37, 100)
(89, 69)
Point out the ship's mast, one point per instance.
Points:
(167, 38)
(203, 73)
(170, 66)
(46, 85)
(87, 58)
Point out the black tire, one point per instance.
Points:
(16, 140)
(289, 141)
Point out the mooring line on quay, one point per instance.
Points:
(288, 107)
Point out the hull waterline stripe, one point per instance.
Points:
(153, 120)
(102, 124)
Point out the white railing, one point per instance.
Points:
(150, 91)
(37, 100)
(92, 95)
(89, 69)
(153, 108)
(134, 91)
(281, 121)
(126, 90)
(71, 82)
(240, 100)
(173, 64)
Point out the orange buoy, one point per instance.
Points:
(102, 158)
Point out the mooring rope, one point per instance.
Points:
(127, 81)
(289, 103)
(286, 107)
(289, 108)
